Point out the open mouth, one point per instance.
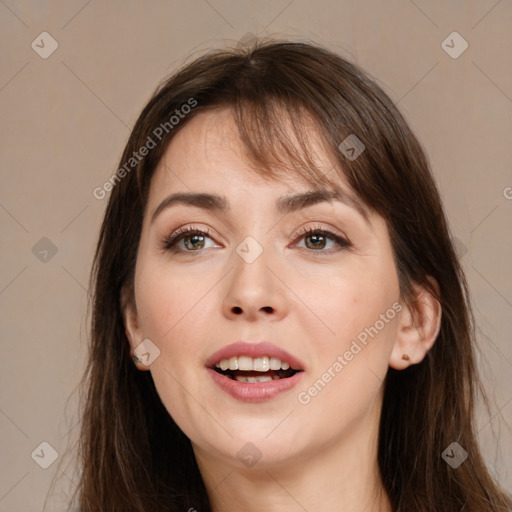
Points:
(258, 369)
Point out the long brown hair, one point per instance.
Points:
(133, 456)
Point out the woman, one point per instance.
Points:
(275, 253)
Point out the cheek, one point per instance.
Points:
(349, 301)
(175, 313)
(170, 302)
(350, 366)
(351, 360)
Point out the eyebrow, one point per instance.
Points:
(284, 205)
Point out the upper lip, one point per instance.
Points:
(261, 349)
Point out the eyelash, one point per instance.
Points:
(171, 241)
(343, 243)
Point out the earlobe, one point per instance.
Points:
(418, 327)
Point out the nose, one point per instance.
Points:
(255, 291)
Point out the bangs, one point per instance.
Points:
(283, 138)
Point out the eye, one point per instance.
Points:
(187, 239)
(190, 239)
(318, 239)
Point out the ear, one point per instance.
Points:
(418, 327)
(131, 325)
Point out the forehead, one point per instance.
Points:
(208, 151)
(206, 166)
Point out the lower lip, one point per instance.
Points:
(254, 391)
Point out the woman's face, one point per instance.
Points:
(323, 302)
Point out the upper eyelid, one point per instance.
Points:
(188, 228)
(319, 227)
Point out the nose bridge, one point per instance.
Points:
(253, 288)
(251, 273)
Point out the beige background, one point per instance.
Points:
(66, 118)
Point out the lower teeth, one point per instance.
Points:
(265, 378)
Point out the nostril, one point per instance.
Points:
(237, 310)
(268, 309)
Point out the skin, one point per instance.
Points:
(311, 301)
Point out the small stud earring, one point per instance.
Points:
(405, 357)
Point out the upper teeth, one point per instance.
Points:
(257, 364)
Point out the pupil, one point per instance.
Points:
(317, 238)
(194, 238)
